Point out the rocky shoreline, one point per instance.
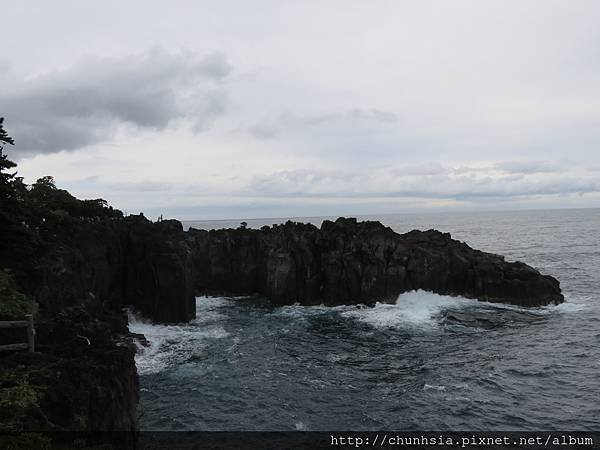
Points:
(87, 271)
(158, 268)
(350, 262)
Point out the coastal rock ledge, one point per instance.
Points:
(157, 268)
(350, 262)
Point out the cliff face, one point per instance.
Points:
(347, 262)
(115, 263)
(84, 376)
(157, 267)
(158, 279)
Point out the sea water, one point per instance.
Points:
(427, 362)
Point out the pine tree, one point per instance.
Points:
(14, 235)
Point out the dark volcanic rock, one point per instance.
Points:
(350, 262)
(158, 266)
(79, 263)
(115, 263)
(81, 378)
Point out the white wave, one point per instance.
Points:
(297, 311)
(423, 308)
(415, 308)
(170, 345)
(432, 387)
(572, 304)
(566, 307)
(208, 309)
(300, 426)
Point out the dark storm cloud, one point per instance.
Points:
(86, 103)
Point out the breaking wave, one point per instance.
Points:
(416, 308)
(171, 345)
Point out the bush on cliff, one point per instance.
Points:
(13, 303)
(27, 212)
(47, 202)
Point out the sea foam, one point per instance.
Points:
(415, 308)
(170, 345)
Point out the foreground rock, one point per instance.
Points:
(81, 378)
(350, 262)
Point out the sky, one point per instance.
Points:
(237, 109)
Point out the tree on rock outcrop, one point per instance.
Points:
(13, 232)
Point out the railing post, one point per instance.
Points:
(30, 333)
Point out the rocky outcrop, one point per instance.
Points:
(350, 262)
(80, 263)
(158, 271)
(81, 378)
(157, 267)
(116, 263)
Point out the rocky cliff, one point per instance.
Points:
(83, 376)
(350, 262)
(116, 263)
(157, 267)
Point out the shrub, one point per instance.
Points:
(20, 396)
(13, 304)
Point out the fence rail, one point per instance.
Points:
(27, 323)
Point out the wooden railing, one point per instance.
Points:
(27, 323)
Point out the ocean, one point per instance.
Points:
(428, 362)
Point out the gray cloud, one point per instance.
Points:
(387, 104)
(427, 182)
(525, 167)
(271, 127)
(87, 103)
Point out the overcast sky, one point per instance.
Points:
(241, 109)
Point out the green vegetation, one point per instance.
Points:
(47, 202)
(26, 441)
(13, 304)
(27, 212)
(23, 395)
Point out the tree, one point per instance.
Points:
(5, 163)
(13, 232)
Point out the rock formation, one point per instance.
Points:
(116, 263)
(83, 378)
(350, 262)
(158, 278)
(157, 267)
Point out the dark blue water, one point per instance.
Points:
(428, 362)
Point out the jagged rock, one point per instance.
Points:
(73, 384)
(350, 262)
(158, 267)
(114, 263)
